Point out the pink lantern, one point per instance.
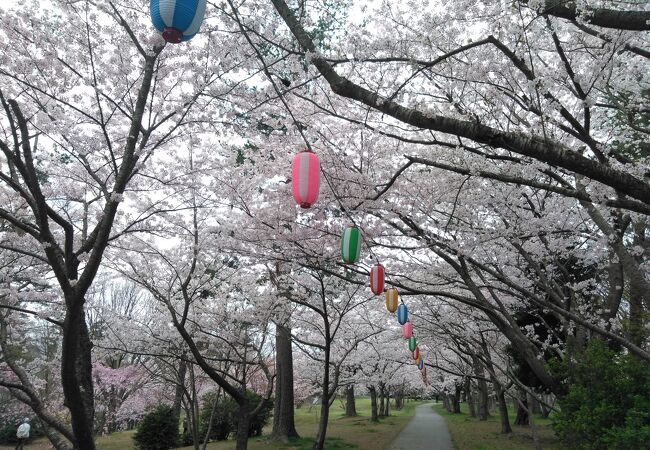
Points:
(377, 279)
(305, 178)
(407, 330)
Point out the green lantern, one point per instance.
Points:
(412, 343)
(351, 245)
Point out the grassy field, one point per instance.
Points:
(471, 434)
(343, 432)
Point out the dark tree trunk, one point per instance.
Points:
(483, 394)
(350, 405)
(76, 373)
(469, 397)
(503, 410)
(382, 408)
(455, 400)
(522, 412)
(325, 398)
(180, 389)
(446, 402)
(399, 399)
(284, 427)
(243, 425)
(374, 417)
(387, 410)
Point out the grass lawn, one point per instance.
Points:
(471, 434)
(343, 432)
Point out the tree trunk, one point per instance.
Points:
(522, 411)
(350, 405)
(455, 400)
(284, 427)
(76, 373)
(381, 401)
(373, 404)
(483, 395)
(243, 425)
(446, 402)
(209, 427)
(503, 410)
(387, 410)
(325, 398)
(180, 388)
(469, 397)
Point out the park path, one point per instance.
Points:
(426, 431)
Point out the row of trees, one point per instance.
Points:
(494, 156)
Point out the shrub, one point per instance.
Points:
(225, 418)
(158, 430)
(607, 405)
(8, 434)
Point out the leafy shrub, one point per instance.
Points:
(607, 405)
(158, 430)
(225, 418)
(8, 434)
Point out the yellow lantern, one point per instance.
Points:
(392, 300)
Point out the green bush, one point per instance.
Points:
(158, 430)
(8, 434)
(607, 405)
(225, 418)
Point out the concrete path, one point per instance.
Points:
(426, 431)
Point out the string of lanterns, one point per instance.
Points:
(179, 21)
(305, 187)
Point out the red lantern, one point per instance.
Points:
(407, 330)
(416, 353)
(305, 178)
(377, 279)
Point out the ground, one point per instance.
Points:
(468, 433)
(426, 431)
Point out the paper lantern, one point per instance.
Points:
(412, 343)
(416, 352)
(377, 279)
(407, 330)
(305, 178)
(421, 364)
(351, 245)
(418, 360)
(391, 300)
(402, 314)
(177, 20)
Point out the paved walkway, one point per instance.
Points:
(426, 431)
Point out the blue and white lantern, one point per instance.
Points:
(402, 314)
(177, 20)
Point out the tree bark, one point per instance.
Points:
(76, 373)
(503, 410)
(350, 405)
(243, 424)
(284, 427)
(469, 397)
(455, 400)
(483, 395)
(180, 389)
(522, 418)
(374, 417)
